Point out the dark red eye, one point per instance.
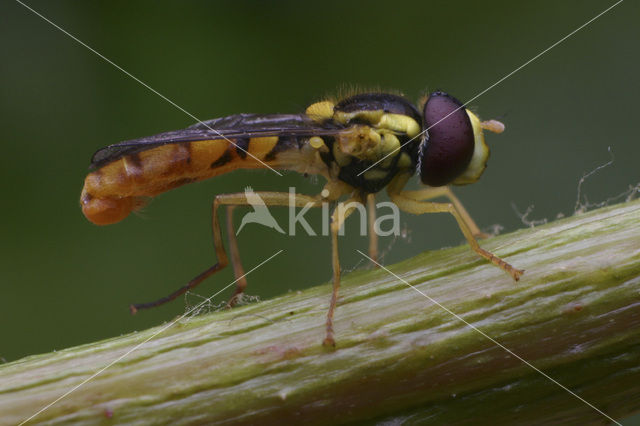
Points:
(448, 145)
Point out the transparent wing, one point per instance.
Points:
(231, 127)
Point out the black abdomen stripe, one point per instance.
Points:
(242, 147)
(284, 143)
(224, 159)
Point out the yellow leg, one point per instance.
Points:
(373, 237)
(236, 263)
(445, 191)
(237, 199)
(338, 217)
(409, 204)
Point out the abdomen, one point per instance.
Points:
(122, 186)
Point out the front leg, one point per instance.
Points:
(405, 201)
(445, 191)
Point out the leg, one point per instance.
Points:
(373, 237)
(337, 219)
(411, 205)
(238, 270)
(237, 199)
(445, 191)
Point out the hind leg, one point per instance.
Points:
(236, 263)
(236, 199)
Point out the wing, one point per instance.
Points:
(231, 127)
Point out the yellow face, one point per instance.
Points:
(480, 154)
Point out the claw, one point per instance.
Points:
(329, 342)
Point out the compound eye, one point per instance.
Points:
(448, 146)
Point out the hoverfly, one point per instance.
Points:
(360, 144)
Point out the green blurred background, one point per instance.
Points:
(65, 281)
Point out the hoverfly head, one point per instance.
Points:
(452, 149)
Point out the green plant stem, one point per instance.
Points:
(575, 315)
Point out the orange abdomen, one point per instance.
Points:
(122, 186)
